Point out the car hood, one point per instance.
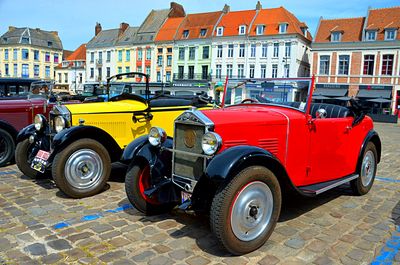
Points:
(107, 107)
(21, 103)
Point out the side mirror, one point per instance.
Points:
(321, 114)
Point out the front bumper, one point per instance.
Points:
(40, 141)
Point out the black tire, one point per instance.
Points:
(80, 150)
(359, 188)
(136, 180)
(7, 148)
(22, 152)
(224, 205)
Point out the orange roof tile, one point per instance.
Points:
(168, 30)
(78, 54)
(194, 23)
(234, 19)
(384, 18)
(351, 29)
(272, 17)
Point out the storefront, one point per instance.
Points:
(189, 87)
(331, 93)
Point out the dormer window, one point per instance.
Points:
(242, 30)
(390, 34)
(49, 44)
(260, 29)
(336, 36)
(203, 32)
(283, 28)
(185, 34)
(220, 31)
(304, 30)
(5, 40)
(25, 40)
(370, 35)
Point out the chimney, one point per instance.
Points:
(97, 29)
(258, 6)
(176, 10)
(122, 27)
(226, 9)
(11, 28)
(54, 33)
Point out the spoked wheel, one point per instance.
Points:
(137, 180)
(245, 211)
(7, 147)
(82, 168)
(363, 184)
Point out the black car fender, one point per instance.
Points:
(132, 148)
(373, 137)
(26, 132)
(69, 135)
(9, 128)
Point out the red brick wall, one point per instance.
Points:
(356, 60)
(333, 63)
(353, 89)
(341, 80)
(315, 63)
(378, 64)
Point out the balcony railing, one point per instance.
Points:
(185, 76)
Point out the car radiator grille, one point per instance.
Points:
(188, 138)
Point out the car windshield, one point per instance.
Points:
(284, 92)
(41, 89)
(89, 88)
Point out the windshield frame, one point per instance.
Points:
(110, 81)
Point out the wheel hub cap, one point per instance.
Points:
(83, 169)
(251, 211)
(368, 168)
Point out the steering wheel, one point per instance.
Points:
(251, 100)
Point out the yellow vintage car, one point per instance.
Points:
(78, 142)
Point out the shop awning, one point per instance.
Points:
(374, 93)
(330, 92)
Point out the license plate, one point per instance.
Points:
(40, 162)
(185, 196)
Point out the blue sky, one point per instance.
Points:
(75, 19)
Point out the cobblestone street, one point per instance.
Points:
(39, 225)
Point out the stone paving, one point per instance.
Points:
(38, 225)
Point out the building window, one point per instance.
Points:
(242, 30)
(36, 70)
(127, 69)
(252, 68)
(185, 34)
(108, 56)
(229, 71)
(6, 70)
(50, 44)
(324, 65)
(56, 58)
(390, 34)
(288, 48)
(100, 57)
(66, 78)
(283, 28)
(220, 31)
(260, 29)
(99, 73)
(158, 76)
(108, 71)
(274, 71)
(15, 57)
(81, 77)
(160, 50)
(25, 40)
(169, 60)
(119, 56)
(219, 51)
(230, 50)
(128, 55)
(148, 71)
(5, 54)
(168, 77)
(240, 70)
(181, 53)
(218, 72)
(15, 69)
(387, 64)
(344, 64)
(91, 72)
(119, 70)
(59, 78)
(140, 55)
(336, 36)
(159, 60)
(92, 57)
(139, 69)
(191, 72)
(264, 50)
(253, 50)
(148, 54)
(370, 35)
(169, 50)
(47, 71)
(25, 70)
(206, 52)
(192, 53)
(204, 72)
(181, 71)
(36, 55)
(263, 71)
(286, 70)
(276, 49)
(25, 54)
(203, 32)
(369, 62)
(241, 50)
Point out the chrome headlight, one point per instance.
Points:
(210, 143)
(59, 123)
(157, 136)
(39, 121)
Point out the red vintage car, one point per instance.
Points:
(237, 162)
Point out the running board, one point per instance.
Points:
(319, 188)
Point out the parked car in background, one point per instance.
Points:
(77, 144)
(11, 88)
(237, 162)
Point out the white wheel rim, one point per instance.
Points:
(251, 211)
(368, 168)
(83, 169)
